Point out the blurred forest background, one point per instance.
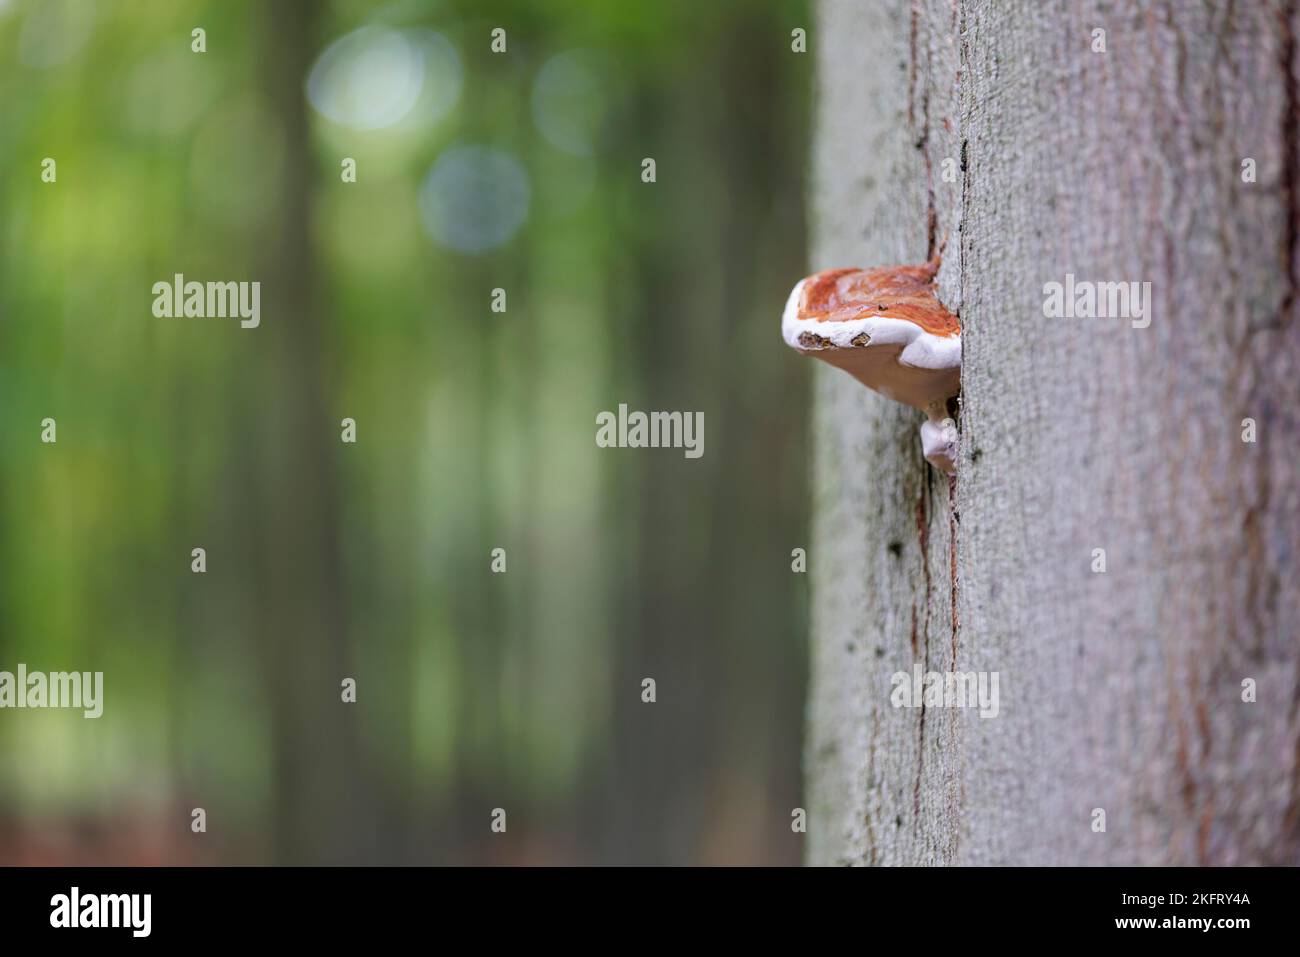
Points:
(475, 431)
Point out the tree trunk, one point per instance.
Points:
(324, 809)
(1120, 690)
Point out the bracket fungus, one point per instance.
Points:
(887, 329)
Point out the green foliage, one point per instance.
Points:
(475, 431)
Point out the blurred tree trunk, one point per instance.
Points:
(706, 601)
(320, 781)
(1119, 690)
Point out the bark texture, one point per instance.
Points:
(1121, 690)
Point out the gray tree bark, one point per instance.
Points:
(1121, 690)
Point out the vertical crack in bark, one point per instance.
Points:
(952, 561)
(923, 530)
(1187, 783)
(1207, 812)
(931, 211)
(1290, 835)
(911, 60)
(923, 534)
(1290, 159)
(954, 833)
(923, 134)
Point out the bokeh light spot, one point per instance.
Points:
(373, 77)
(474, 199)
(569, 102)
